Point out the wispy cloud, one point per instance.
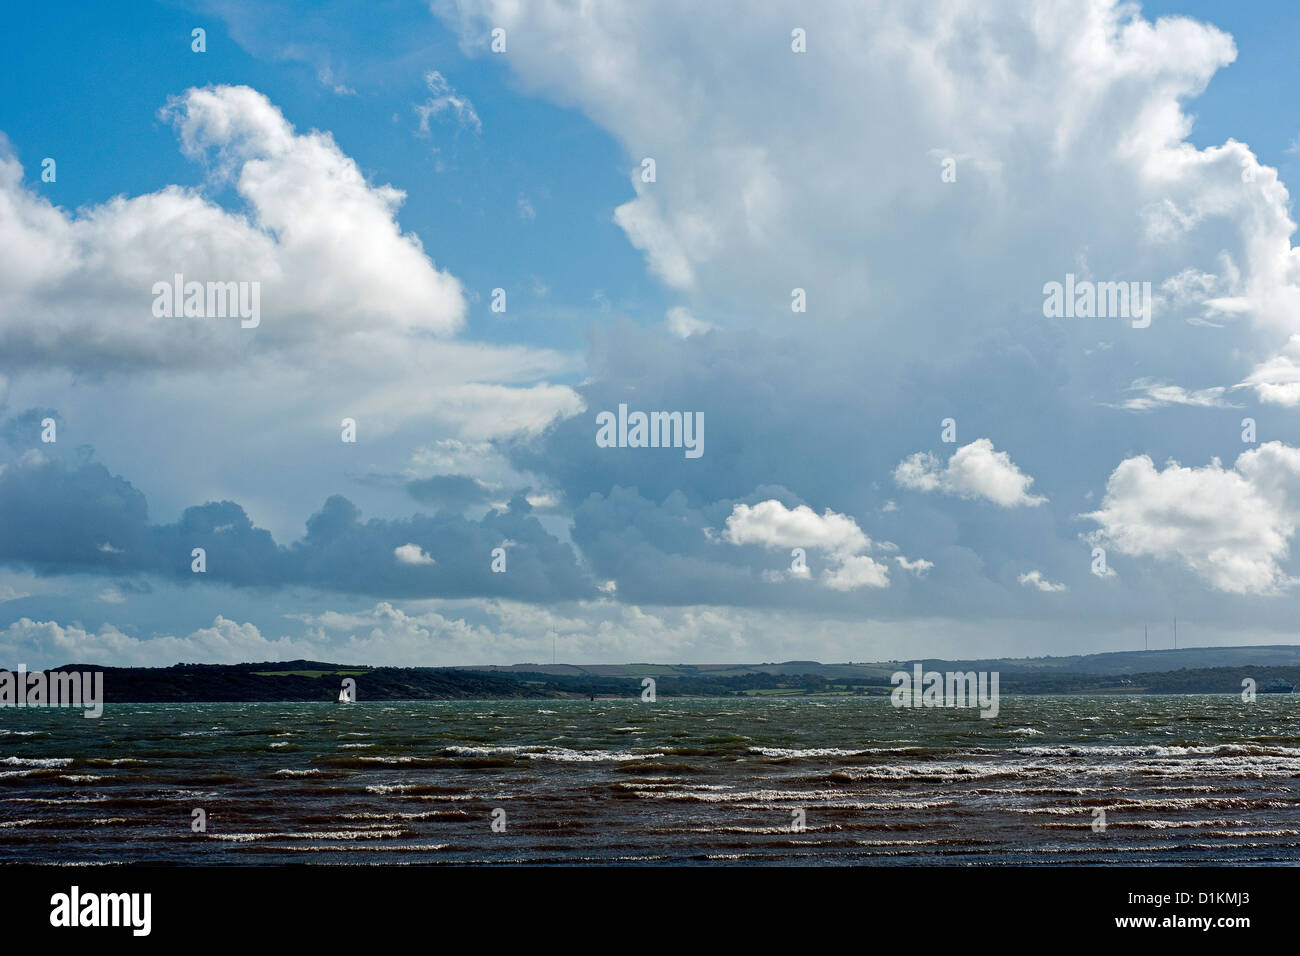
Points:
(1155, 394)
(445, 100)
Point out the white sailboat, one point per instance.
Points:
(343, 696)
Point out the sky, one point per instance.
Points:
(478, 240)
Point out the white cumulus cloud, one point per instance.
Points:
(1231, 526)
(772, 525)
(1036, 579)
(412, 554)
(976, 470)
(332, 262)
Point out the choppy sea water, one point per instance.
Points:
(1181, 779)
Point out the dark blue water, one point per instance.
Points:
(1180, 780)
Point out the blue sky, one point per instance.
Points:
(379, 171)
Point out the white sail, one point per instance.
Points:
(344, 698)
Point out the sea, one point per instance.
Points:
(691, 782)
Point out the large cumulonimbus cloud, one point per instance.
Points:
(1065, 127)
(777, 169)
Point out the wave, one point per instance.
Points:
(36, 761)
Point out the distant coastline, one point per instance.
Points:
(1274, 669)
